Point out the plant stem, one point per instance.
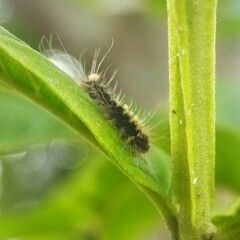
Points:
(192, 112)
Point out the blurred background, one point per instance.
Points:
(53, 184)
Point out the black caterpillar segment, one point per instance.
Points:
(128, 124)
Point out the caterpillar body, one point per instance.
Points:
(129, 126)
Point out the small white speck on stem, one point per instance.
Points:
(195, 180)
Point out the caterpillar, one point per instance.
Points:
(129, 126)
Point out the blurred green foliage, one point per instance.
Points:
(91, 201)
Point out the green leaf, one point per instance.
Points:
(32, 74)
(227, 222)
(192, 109)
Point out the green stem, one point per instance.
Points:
(192, 60)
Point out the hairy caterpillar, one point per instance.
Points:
(98, 87)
